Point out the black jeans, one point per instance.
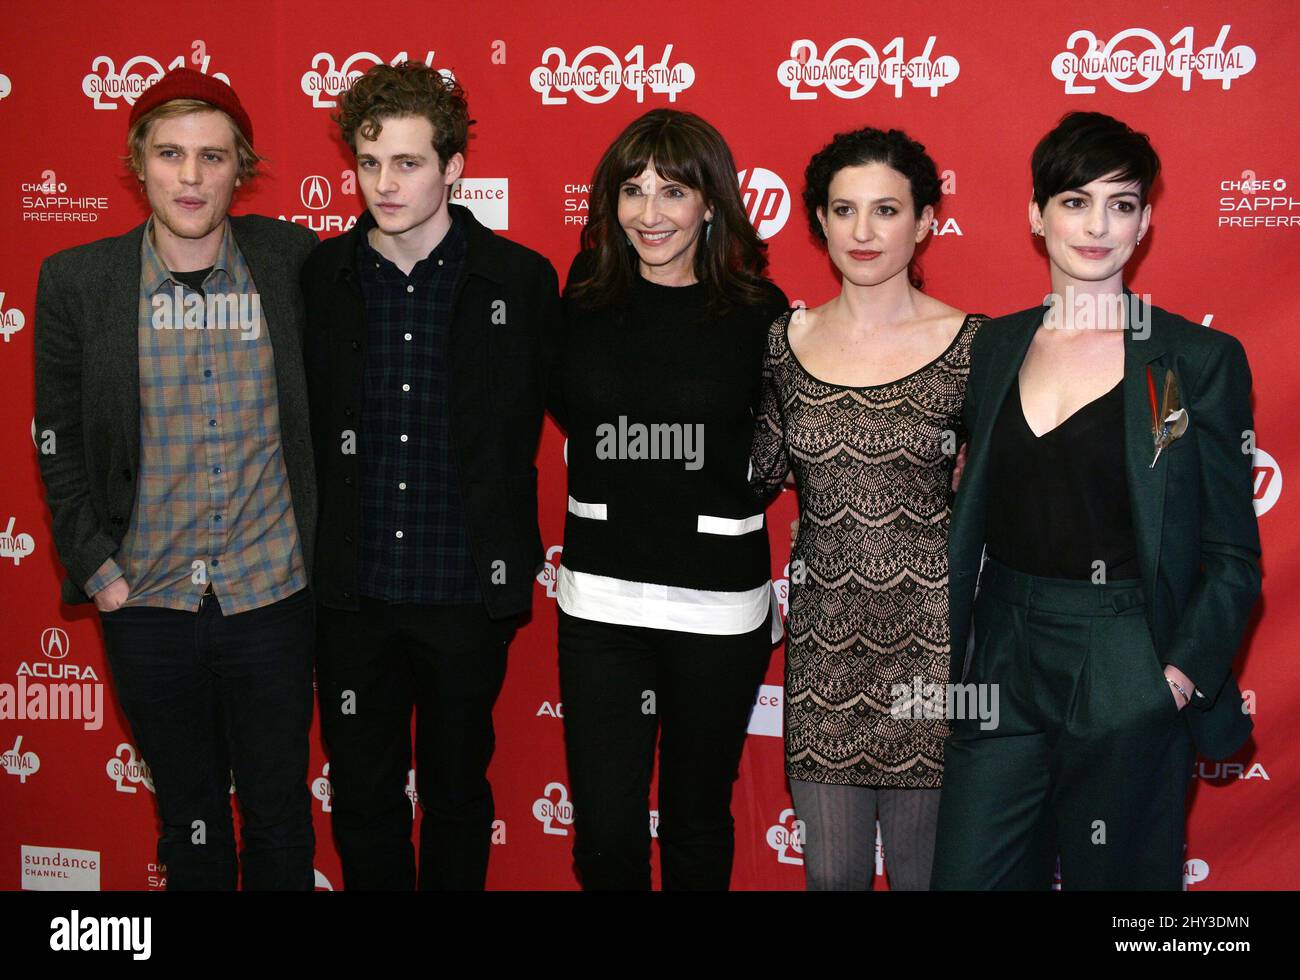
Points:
(624, 685)
(208, 695)
(373, 668)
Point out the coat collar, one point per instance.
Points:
(486, 257)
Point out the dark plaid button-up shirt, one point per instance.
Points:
(414, 541)
(212, 497)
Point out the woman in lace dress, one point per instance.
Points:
(863, 399)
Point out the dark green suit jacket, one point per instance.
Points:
(1193, 514)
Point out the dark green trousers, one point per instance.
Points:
(1090, 757)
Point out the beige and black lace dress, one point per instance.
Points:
(869, 574)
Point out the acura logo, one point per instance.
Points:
(315, 192)
(54, 643)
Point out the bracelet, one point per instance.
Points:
(1180, 689)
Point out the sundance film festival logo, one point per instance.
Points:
(106, 83)
(766, 199)
(553, 810)
(325, 83)
(18, 763)
(127, 771)
(851, 68)
(1135, 59)
(15, 546)
(597, 74)
(786, 837)
(549, 576)
(11, 319)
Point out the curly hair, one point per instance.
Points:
(406, 89)
(895, 149)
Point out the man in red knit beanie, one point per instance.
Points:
(182, 490)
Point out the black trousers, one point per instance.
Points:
(207, 695)
(623, 686)
(1090, 758)
(374, 667)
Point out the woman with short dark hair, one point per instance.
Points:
(1107, 483)
(665, 594)
(863, 400)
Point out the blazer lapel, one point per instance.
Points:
(1146, 486)
(120, 375)
(968, 524)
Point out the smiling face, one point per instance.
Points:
(190, 172)
(404, 186)
(1091, 231)
(664, 220)
(871, 228)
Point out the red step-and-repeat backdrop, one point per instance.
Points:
(550, 85)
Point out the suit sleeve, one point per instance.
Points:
(79, 538)
(1212, 623)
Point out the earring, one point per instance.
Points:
(1139, 241)
(629, 241)
(708, 230)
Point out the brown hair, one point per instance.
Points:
(137, 137)
(684, 148)
(406, 89)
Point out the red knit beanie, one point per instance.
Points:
(186, 83)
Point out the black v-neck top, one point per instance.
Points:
(1059, 503)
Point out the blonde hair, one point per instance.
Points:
(138, 136)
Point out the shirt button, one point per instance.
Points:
(212, 422)
(207, 373)
(403, 437)
(401, 486)
(217, 518)
(216, 469)
(410, 289)
(406, 387)
(440, 261)
(408, 336)
(399, 534)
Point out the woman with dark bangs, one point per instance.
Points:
(1109, 482)
(664, 594)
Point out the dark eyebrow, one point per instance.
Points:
(878, 200)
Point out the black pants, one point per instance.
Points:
(374, 667)
(207, 694)
(1090, 758)
(623, 685)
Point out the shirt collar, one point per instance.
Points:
(453, 247)
(154, 274)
